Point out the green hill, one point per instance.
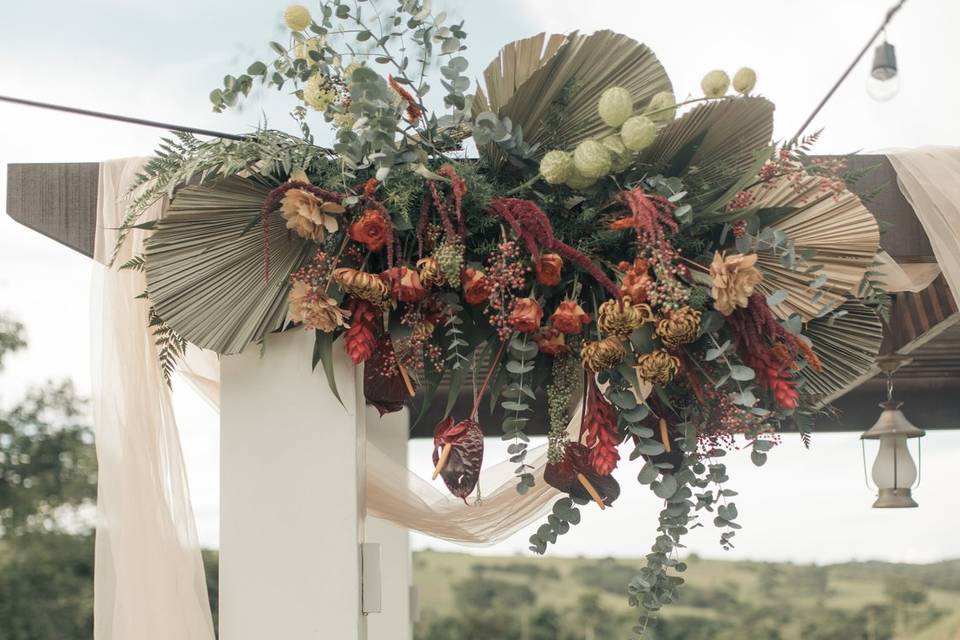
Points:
(465, 597)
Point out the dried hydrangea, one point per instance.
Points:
(638, 133)
(556, 167)
(715, 84)
(592, 159)
(615, 106)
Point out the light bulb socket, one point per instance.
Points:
(894, 499)
(884, 62)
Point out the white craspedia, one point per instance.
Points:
(297, 17)
(744, 80)
(556, 167)
(619, 154)
(715, 84)
(591, 159)
(579, 181)
(318, 92)
(615, 106)
(303, 49)
(662, 107)
(638, 133)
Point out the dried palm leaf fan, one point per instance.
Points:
(847, 344)
(839, 232)
(204, 265)
(714, 144)
(549, 86)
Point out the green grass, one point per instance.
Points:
(834, 599)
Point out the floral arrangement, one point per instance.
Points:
(571, 235)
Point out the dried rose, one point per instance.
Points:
(636, 280)
(552, 342)
(476, 287)
(569, 318)
(548, 269)
(405, 284)
(525, 316)
(371, 229)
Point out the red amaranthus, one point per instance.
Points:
(599, 431)
(770, 350)
(650, 215)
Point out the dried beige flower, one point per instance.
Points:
(306, 214)
(315, 309)
(734, 279)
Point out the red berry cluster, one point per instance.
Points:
(507, 275)
(317, 272)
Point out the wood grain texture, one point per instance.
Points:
(58, 200)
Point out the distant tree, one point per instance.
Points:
(484, 593)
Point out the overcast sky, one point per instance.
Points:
(160, 60)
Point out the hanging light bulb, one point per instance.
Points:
(884, 81)
(894, 472)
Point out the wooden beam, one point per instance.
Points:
(58, 200)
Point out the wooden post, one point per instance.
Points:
(393, 622)
(291, 495)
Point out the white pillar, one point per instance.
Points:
(390, 434)
(291, 488)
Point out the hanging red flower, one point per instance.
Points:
(384, 385)
(360, 340)
(458, 455)
(599, 431)
(574, 475)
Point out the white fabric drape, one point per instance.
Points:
(149, 579)
(929, 178)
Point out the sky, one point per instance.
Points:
(160, 60)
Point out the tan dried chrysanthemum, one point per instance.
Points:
(431, 275)
(680, 327)
(363, 285)
(307, 215)
(315, 309)
(734, 279)
(619, 319)
(602, 354)
(657, 367)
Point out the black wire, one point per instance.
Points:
(889, 16)
(120, 118)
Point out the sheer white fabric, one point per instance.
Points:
(149, 580)
(929, 178)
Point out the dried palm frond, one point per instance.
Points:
(847, 343)
(714, 144)
(834, 236)
(204, 266)
(549, 86)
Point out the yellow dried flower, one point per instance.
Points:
(591, 159)
(303, 49)
(657, 367)
(715, 84)
(615, 106)
(638, 133)
(430, 272)
(556, 167)
(744, 80)
(315, 309)
(602, 354)
(680, 327)
(363, 285)
(734, 279)
(620, 156)
(619, 319)
(297, 17)
(344, 120)
(662, 107)
(319, 93)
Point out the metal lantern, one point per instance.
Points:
(884, 81)
(894, 472)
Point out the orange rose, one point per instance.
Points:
(548, 269)
(569, 318)
(476, 287)
(636, 280)
(371, 229)
(525, 315)
(405, 284)
(552, 342)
